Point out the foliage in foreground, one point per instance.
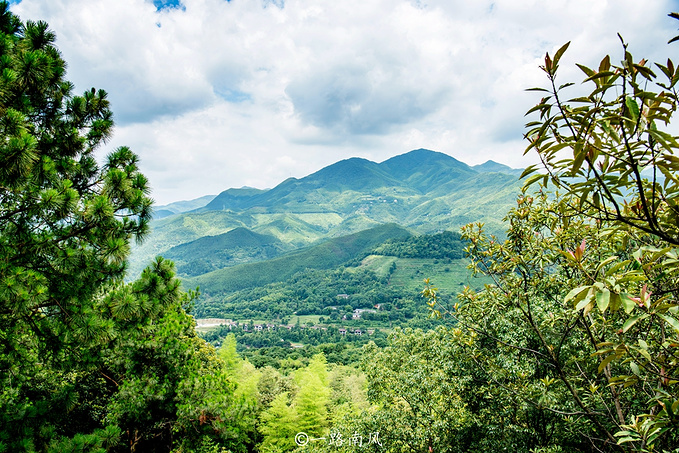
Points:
(582, 319)
(87, 363)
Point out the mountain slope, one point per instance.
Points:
(495, 167)
(326, 255)
(358, 175)
(234, 199)
(210, 253)
(424, 170)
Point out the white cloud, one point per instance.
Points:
(222, 94)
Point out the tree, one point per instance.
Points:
(418, 392)
(621, 144)
(538, 351)
(86, 362)
(581, 319)
(623, 168)
(313, 397)
(279, 425)
(428, 391)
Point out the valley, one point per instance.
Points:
(354, 236)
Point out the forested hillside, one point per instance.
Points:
(326, 255)
(210, 253)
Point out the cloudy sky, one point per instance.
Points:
(215, 94)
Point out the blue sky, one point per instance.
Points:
(215, 94)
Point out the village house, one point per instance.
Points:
(359, 311)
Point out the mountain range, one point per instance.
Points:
(422, 191)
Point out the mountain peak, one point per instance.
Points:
(491, 166)
(353, 173)
(424, 169)
(420, 170)
(421, 156)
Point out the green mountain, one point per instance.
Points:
(423, 191)
(341, 187)
(494, 167)
(178, 207)
(425, 170)
(210, 253)
(234, 198)
(354, 174)
(325, 255)
(388, 278)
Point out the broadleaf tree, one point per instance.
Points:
(612, 154)
(582, 318)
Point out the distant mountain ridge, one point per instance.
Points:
(494, 167)
(418, 170)
(178, 207)
(422, 190)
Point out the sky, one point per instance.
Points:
(214, 94)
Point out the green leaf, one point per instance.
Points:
(605, 362)
(599, 75)
(543, 105)
(530, 169)
(559, 53)
(584, 302)
(627, 302)
(671, 321)
(603, 299)
(632, 321)
(530, 181)
(581, 99)
(576, 293)
(646, 355)
(637, 254)
(608, 260)
(616, 301)
(646, 72)
(585, 69)
(632, 107)
(635, 368)
(605, 64)
(579, 155)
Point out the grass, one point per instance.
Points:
(379, 264)
(449, 276)
(303, 319)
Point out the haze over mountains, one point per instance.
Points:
(422, 191)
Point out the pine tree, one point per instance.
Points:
(279, 425)
(311, 402)
(86, 363)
